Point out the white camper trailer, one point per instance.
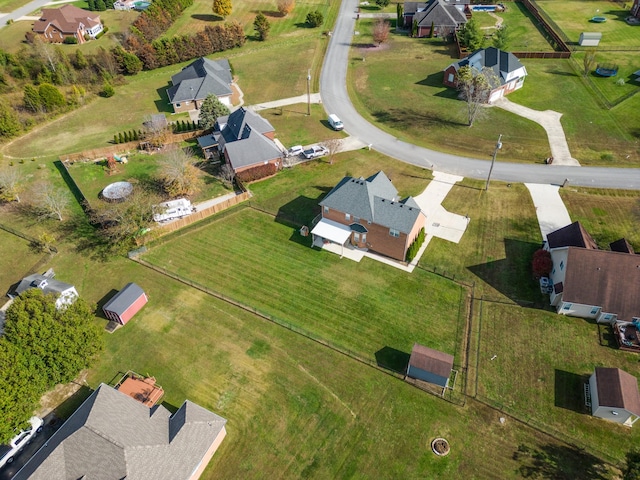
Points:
(171, 210)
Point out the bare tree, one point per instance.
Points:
(178, 174)
(333, 146)
(156, 131)
(10, 179)
(48, 201)
(285, 7)
(475, 88)
(589, 61)
(46, 52)
(227, 174)
(381, 29)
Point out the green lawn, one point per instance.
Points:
(18, 263)
(573, 17)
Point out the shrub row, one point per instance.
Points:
(256, 173)
(415, 246)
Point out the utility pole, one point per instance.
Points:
(493, 160)
(309, 92)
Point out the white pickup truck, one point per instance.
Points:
(8, 452)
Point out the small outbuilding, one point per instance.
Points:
(65, 293)
(430, 365)
(614, 395)
(125, 304)
(590, 39)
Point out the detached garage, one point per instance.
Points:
(125, 304)
(430, 365)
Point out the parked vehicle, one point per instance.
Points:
(335, 122)
(295, 151)
(315, 151)
(8, 452)
(173, 209)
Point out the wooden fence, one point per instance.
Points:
(542, 54)
(202, 214)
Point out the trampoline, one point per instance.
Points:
(598, 19)
(117, 192)
(607, 70)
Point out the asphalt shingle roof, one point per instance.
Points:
(617, 389)
(112, 436)
(199, 79)
(573, 235)
(50, 285)
(66, 19)
(374, 199)
(502, 63)
(440, 14)
(124, 298)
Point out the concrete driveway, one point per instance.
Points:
(550, 209)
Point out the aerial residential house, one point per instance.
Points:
(614, 395)
(56, 24)
(245, 140)
(113, 436)
(198, 80)
(369, 214)
(65, 293)
(430, 365)
(593, 283)
(445, 16)
(507, 68)
(125, 304)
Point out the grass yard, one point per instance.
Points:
(93, 177)
(574, 17)
(361, 307)
(18, 263)
(7, 6)
(541, 361)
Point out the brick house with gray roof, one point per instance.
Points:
(369, 214)
(112, 436)
(446, 17)
(199, 79)
(56, 24)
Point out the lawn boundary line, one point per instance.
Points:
(295, 329)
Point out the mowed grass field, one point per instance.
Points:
(541, 363)
(363, 307)
(574, 17)
(18, 261)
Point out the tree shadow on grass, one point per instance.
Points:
(268, 13)
(606, 336)
(391, 359)
(102, 302)
(402, 118)
(206, 17)
(559, 462)
(512, 275)
(569, 390)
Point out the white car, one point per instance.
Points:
(295, 151)
(18, 442)
(315, 151)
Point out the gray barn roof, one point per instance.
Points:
(199, 79)
(374, 199)
(112, 436)
(124, 298)
(502, 63)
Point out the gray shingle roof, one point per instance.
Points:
(413, 7)
(124, 298)
(374, 199)
(199, 79)
(502, 63)
(46, 283)
(112, 436)
(440, 14)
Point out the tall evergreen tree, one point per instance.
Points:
(261, 26)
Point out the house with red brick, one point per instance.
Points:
(505, 65)
(125, 304)
(198, 80)
(56, 24)
(367, 213)
(445, 17)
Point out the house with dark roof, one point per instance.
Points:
(635, 9)
(199, 79)
(614, 395)
(112, 436)
(430, 365)
(65, 293)
(505, 65)
(245, 140)
(56, 24)
(369, 214)
(445, 16)
(592, 283)
(125, 304)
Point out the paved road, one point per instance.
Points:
(333, 82)
(22, 11)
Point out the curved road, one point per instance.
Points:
(333, 89)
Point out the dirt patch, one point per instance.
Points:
(53, 398)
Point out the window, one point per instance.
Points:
(562, 265)
(567, 306)
(356, 237)
(347, 216)
(450, 80)
(364, 238)
(356, 219)
(608, 316)
(594, 310)
(394, 233)
(553, 272)
(178, 105)
(326, 209)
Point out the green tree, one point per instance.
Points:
(632, 470)
(120, 139)
(107, 90)
(431, 29)
(501, 37)
(101, 6)
(51, 97)
(31, 98)
(10, 125)
(471, 36)
(315, 19)
(400, 15)
(382, 3)
(222, 8)
(80, 61)
(211, 109)
(127, 62)
(261, 26)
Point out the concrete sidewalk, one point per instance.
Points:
(315, 98)
(550, 121)
(550, 209)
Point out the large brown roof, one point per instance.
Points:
(607, 279)
(621, 245)
(431, 360)
(66, 19)
(617, 389)
(573, 235)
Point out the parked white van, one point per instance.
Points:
(335, 122)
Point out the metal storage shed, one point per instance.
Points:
(125, 304)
